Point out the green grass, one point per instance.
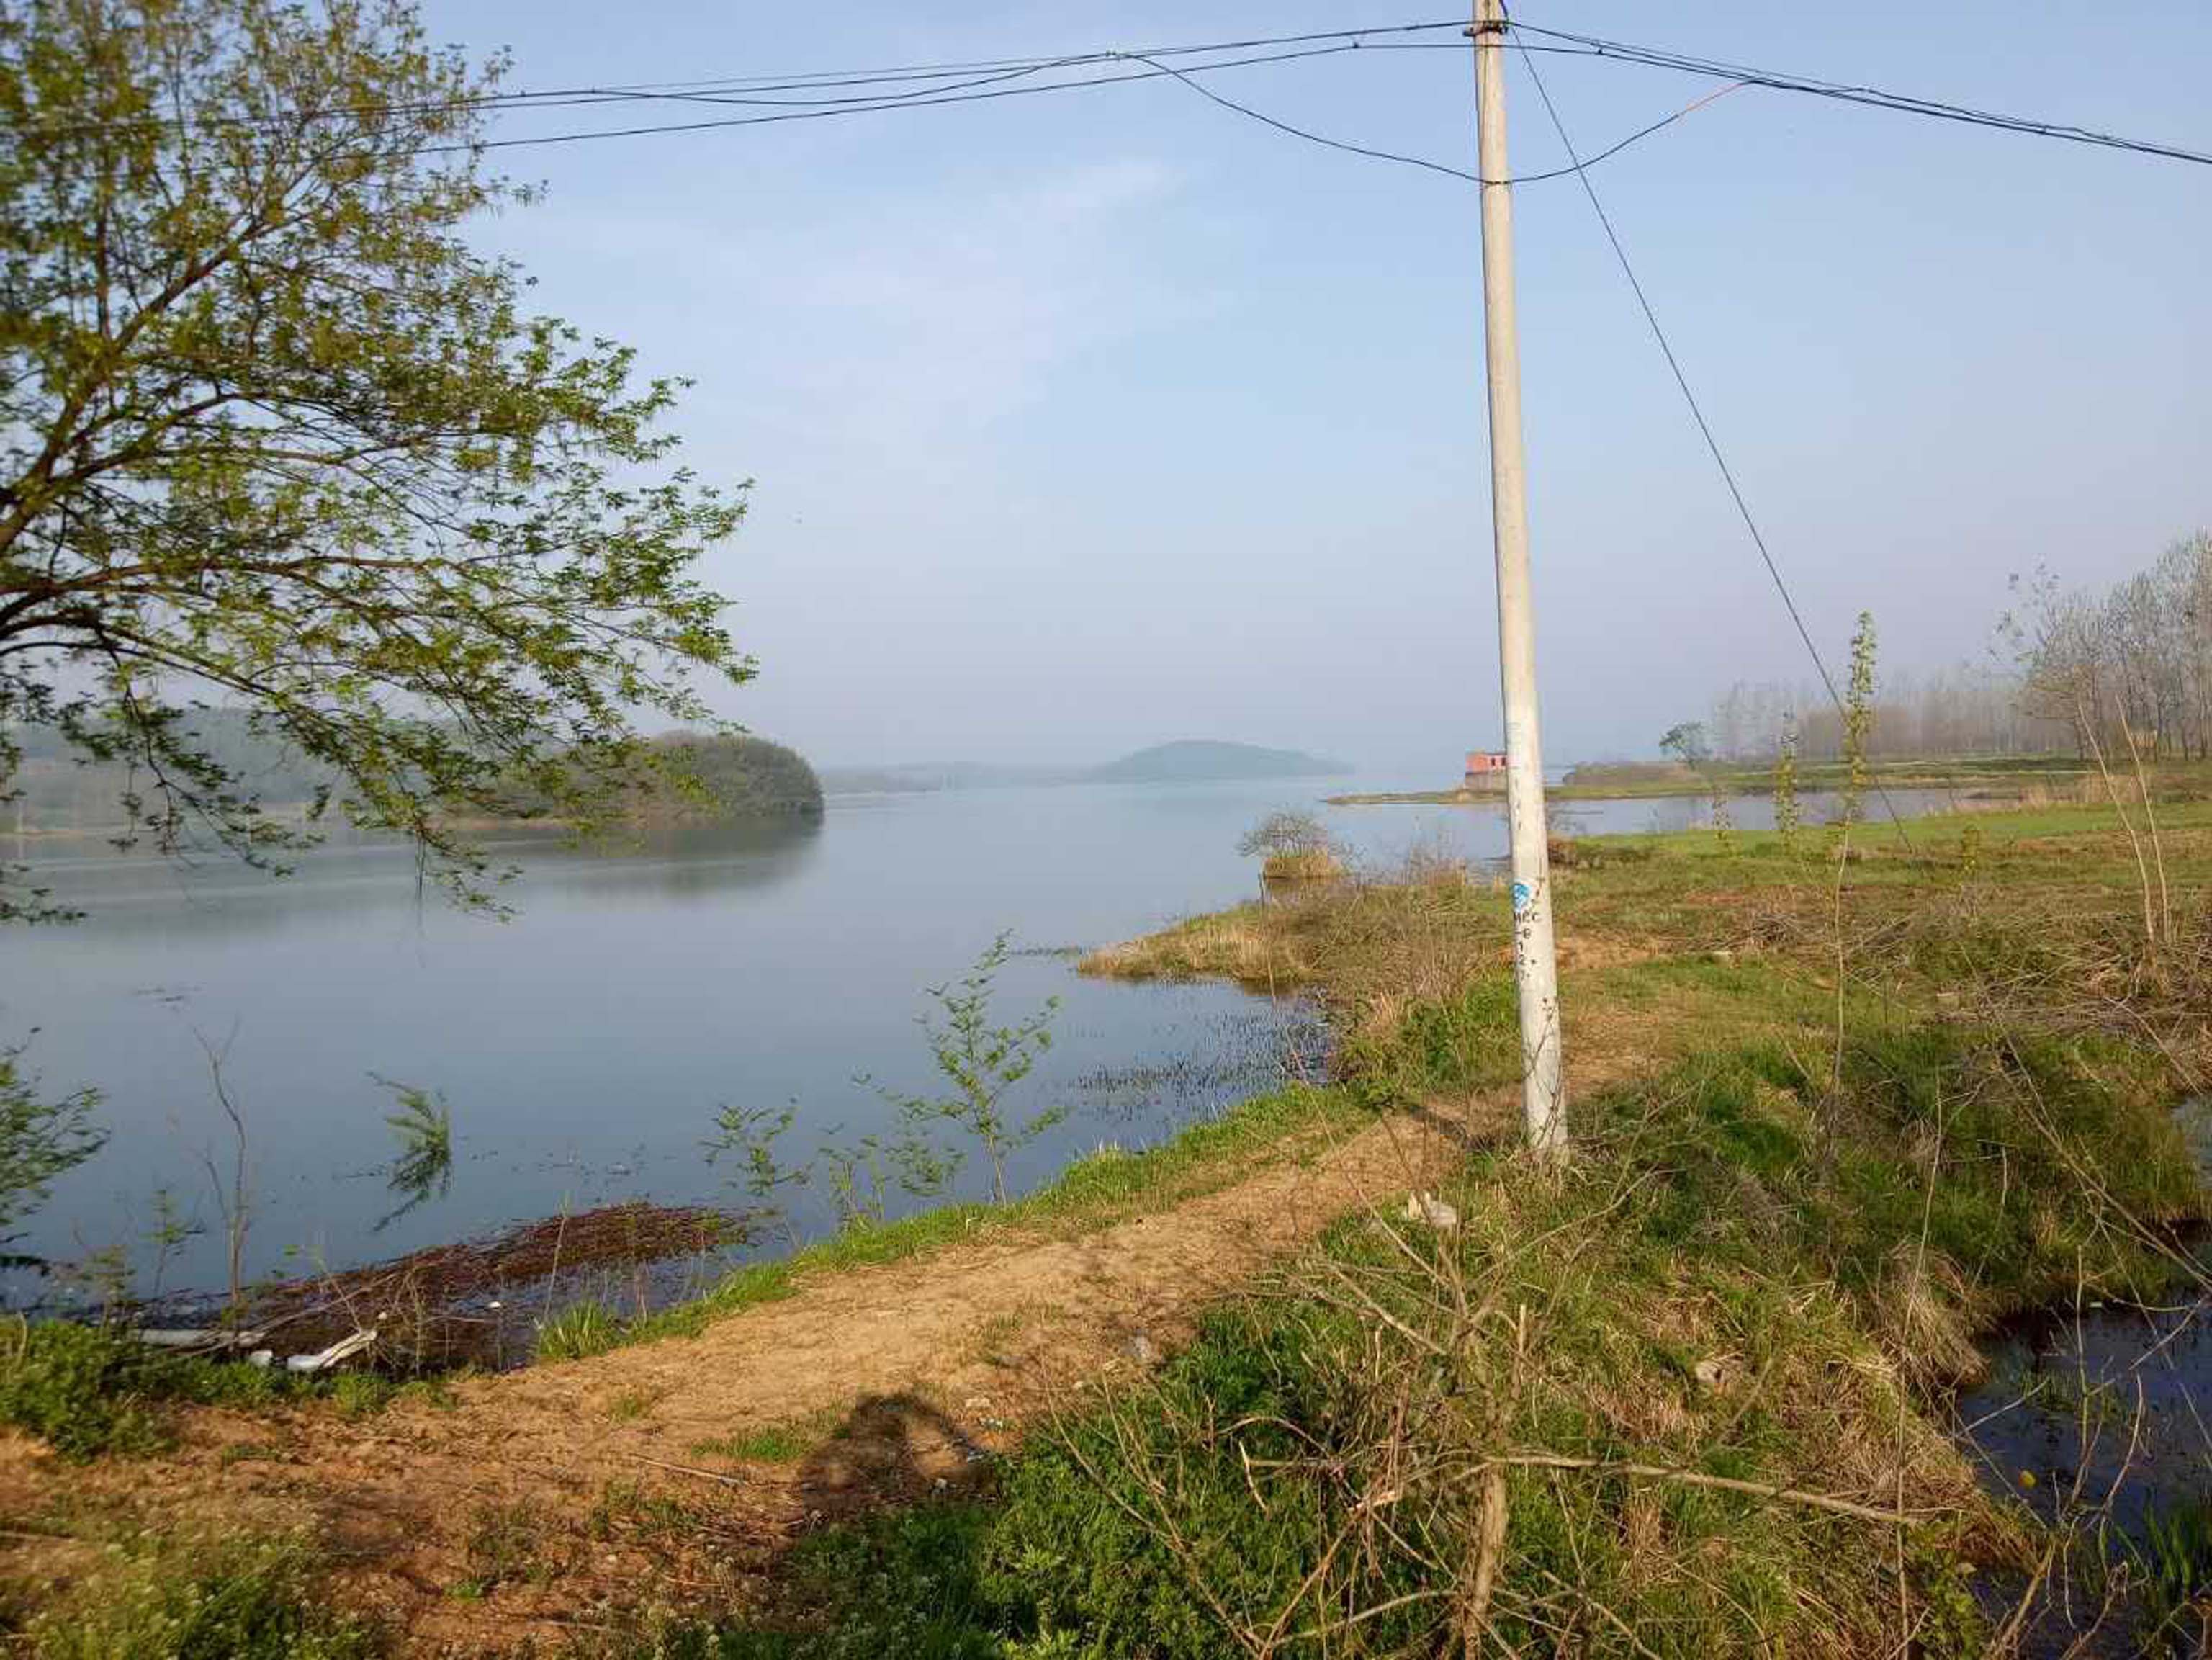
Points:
(89, 1390)
(578, 1331)
(1741, 1277)
(2174, 1566)
(1469, 1041)
(1653, 779)
(241, 1599)
(768, 1443)
(502, 1546)
(1090, 1193)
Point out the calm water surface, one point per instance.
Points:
(585, 1046)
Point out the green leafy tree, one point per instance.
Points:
(859, 1176)
(40, 1140)
(274, 438)
(1687, 743)
(1858, 729)
(1789, 818)
(862, 1174)
(423, 1128)
(747, 1137)
(982, 1062)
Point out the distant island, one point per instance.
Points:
(1186, 761)
(721, 775)
(685, 775)
(1204, 761)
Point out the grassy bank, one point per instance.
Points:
(1675, 1401)
(1684, 1397)
(88, 1391)
(2004, 776)
(1092, 1193)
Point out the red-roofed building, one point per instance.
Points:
(1486, 770)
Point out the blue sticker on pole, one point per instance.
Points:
(1520, 897)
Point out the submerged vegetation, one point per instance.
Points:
(423, 1127)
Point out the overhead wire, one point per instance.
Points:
(1697, 413)
(735, 86)
(933, 85)
(1876, 97)
(982, 95)
(1153, 69)
(1345, 145)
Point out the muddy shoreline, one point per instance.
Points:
(478, 1303)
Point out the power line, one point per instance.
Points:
(738, 88)
(1231, 104)
(1153, 70)
(1327, 143)
(984, 95)
(1697, 413)
(928, 85)
(1875, 97)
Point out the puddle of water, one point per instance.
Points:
(2111, 1405)
(2106, 1408)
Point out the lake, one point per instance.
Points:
(585, 1046)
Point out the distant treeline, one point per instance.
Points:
(1964, 710)
(2072, 670)
(1185, 761)
(2131, 668)
(54, 786)
(723, 775)
(688, 775)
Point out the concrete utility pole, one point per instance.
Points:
(1535, 964)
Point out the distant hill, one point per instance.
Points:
(1197, 760)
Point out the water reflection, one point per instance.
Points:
(587, 1044)
(135, 894)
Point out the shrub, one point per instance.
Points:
(231, 1600)
(72, 1386)
(579, 1332)
(40, 1139)
(87, 1390)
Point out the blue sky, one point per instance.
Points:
(1084, 420)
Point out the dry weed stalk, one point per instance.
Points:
(1435, 1351)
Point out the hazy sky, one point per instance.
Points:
(1084, 420)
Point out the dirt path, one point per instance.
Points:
(549, 1498)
